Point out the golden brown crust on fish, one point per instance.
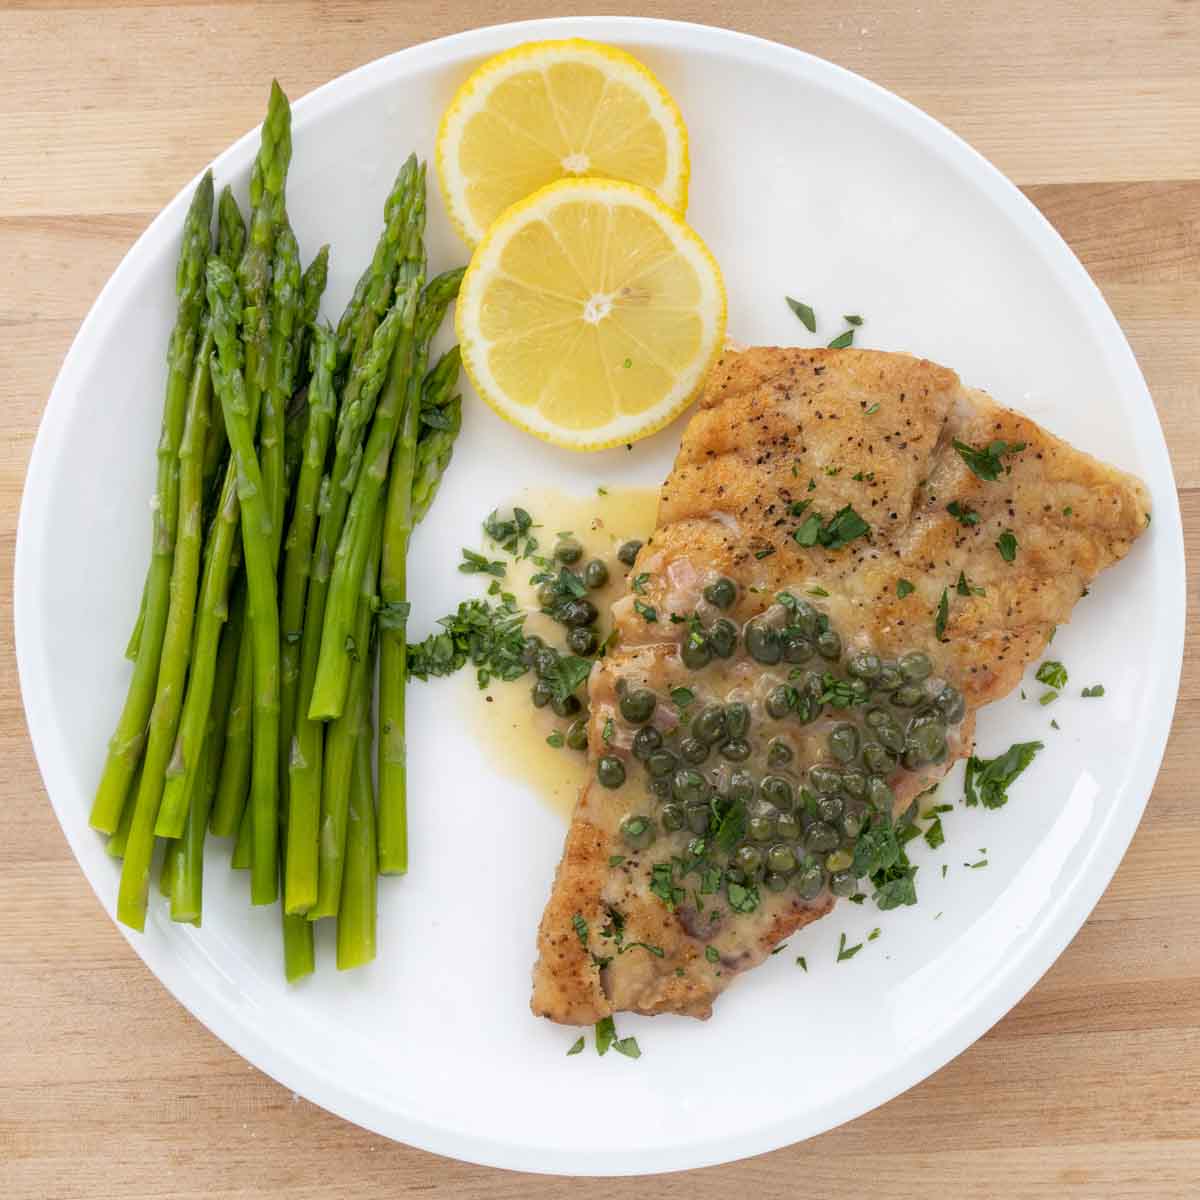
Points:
(780, 435)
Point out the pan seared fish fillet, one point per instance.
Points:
(782, 435)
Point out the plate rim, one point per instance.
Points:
(1059, 922)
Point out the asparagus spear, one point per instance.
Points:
(135, 636)
(243, 847)
(357, 910)
(115, 846)
(286, 300)
(421, 455)
(333, 664)
(233, 781)
(312, 288)
(187, 892)
(258, 552)
(341, 738)
(129, 738)
(175, 649)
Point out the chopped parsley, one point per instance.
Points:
(872, 409)
(935, 835)
(628, 1047)
(1092, 692)
(479, 564)
(963, 514)
(1006, 543)
(662, 885)
(1054, 724)
(489, 637)
(988, 779)
(986, 463)
(1047, 697)
(942, 616)
(807, 317)
(817, 591)
(840, 530)
(610, 727)
(555, 739)
(509, 532)
(802, 963)
(1052, 674)
(681, 697)
(742, 899)
(576, 1046)
(657, 951)
(964, 587)
(847, 952)
(567, 675)
(873, 934)
(581, 929)
(761, 554)
(615, 860)
(647, 612)
(843, 340)
(606, 1034)
(1068, 511)
(639, 583)
(710, 952)
(853, 319)
(904, 587)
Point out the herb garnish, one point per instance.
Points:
(508, 532)
(681, 697)
(962, 514)
(639, 582)
(802, 963)
(581, 929)
(846, 952)
(904, 587)
(576, 1046)
(842, 340)
(872, 409)
(1091, 692)
(988, 779)
(841, 529)
(606, 734)
(710, 952)
(568, 674)
(804, 312)
(1052, 674)
(615, 860)
(606, 1034)
(478, 564)
(943, 614)
(761, 554)
(742, 899)
(662, 885)
(964, 587)
(647, 612)
(556, 739)
(935, 835)
(853, 319)
(1006, 543)
(489, 637)
(986, 463)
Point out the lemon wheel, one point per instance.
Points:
(590, 314)
(552, 110)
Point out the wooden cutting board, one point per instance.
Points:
(1089, 1088)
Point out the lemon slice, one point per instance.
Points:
(552, 110)
(590, 314)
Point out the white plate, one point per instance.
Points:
(808, 181)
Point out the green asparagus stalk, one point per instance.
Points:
(135, 636)
(298, 955)
(286, 301)
(187, 893)
(115, 846)
(333, 664)
(300, 880)
(341, 738)
(243, 847)
(169, 867)
(421, 454)
(129, 738)
(312, 288)
(175, 649)
(357, 911)
(258, 552)
(233, 781)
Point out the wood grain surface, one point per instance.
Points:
(1089, 1088)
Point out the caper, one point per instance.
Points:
(595, 573)
(736, 750)
(781, 858)
(926, 744)
(748, 860)
(761, 826)
(950, 704)
(879, 795)
(629, 551)
(610, 770)
(737, 719)
(852, 823)
(788, 826)
(673, 817)
(779, 752)
(842, 883)
(660, 788)
(763, 642)
(830, 808)
(854, 783)
(780, 700)
(808, 697)
(722, 637)
(838, 860)
(825, 781)
(915, 666)
(645, 742)
(742, 787)
(577, 735)
(796, 647)
(806, 618)
(709, 725)
(809, 881)
(693, 750)
(843, 742)
(779, 792)
(568, 550)
(695, 652)
(577, 612)
(529, 648)
(638, 831)
(889, 678)
(721, 592)
(885, 728)
(661, 763)
(547, 595)
(774, 882)
(582, 640)
(877, 759)
(637, 707)
(821, 837)
(542, 694)
(829, 644)
(908, 696)
(545, 660)
(688, 785)
(864, 665)
(697, 816)
(860, 690)
(565, 706)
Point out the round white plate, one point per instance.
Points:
(807, 181)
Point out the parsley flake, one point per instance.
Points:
(962, 513)
(1006, 543)
(847, 952)
(843, 340)
(581, 929)
(943, 615)
(986, 463)
(576, 1046)
(1092, 692)
(802, 963)
(804, 312)
(646, 611)
(988, 779)
(904, 587)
